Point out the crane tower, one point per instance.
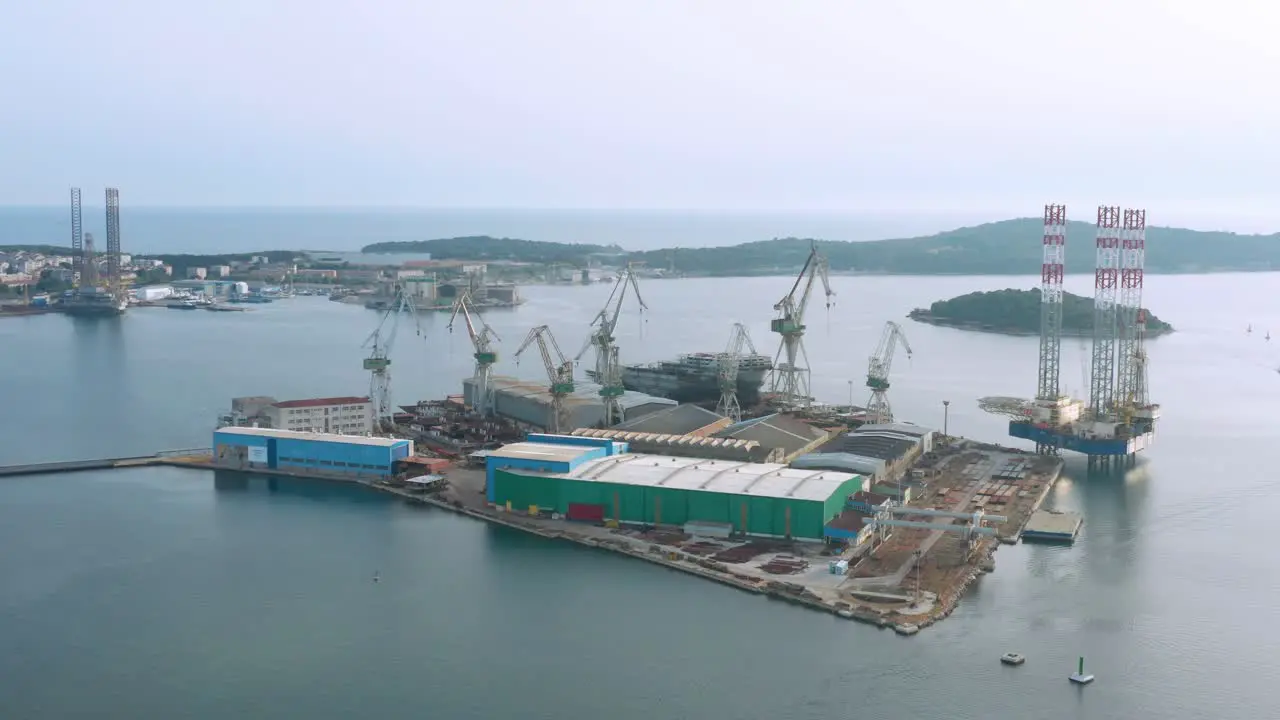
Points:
(482, 339)
(378, 364)
(608, 372)
(727, 364)
(559, 374)
(789, 382)
(878, 367)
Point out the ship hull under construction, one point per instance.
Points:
(687, 382)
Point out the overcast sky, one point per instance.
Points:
(803, 105)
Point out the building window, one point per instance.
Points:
(326, 462)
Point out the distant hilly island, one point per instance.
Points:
(1008, 247)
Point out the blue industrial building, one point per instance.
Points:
(550, 454)
(250, 448)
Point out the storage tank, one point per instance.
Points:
(240, 289)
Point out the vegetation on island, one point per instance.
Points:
(1009, 247)
(1017, 312)
(483, 247)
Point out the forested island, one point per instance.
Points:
(1009, 247)
(1017, 312)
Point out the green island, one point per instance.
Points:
(1017, 312)
(1008, 247)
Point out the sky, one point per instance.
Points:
(735, 105)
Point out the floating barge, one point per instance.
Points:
(1053, 526)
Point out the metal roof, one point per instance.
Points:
(678, 420)
(541, 451)
(870, 445)
(722, 476)
(904, 428)
(584, 393)
(850, 462)
(312, 436)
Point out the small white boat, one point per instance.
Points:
(1012, 658)
(1079, 677)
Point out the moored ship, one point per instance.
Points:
(692, 378)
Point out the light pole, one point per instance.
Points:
(850, 397)
(946, 416)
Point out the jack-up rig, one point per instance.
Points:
(559, 374)
(378, 364)
(789, 381)
(1120, 418)
(608, 372)
(727, 364)
(96, 295)
(482, 340)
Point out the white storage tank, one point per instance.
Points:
(240, 289)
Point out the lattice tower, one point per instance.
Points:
(77, 236)
(1129, 306)
(1051, 272)
(1102, 383)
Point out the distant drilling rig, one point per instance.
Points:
(1120, 418)
(96, 294)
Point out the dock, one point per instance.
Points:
(1052, 526)
(198, 457)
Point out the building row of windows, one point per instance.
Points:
(330, 410)
(332, 463)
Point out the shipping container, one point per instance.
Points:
(585, 513)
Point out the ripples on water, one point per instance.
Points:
(161, 593)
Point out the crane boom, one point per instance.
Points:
(608, 372)
(790, 378)
(727, 364)
(559, 372)
(380, 342)
(482, 339)
(878, 367)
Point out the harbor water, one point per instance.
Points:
(172, 593)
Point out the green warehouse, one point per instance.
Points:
(755, 498)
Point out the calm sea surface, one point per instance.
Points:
(164, 593)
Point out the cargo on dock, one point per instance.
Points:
(1052, 526)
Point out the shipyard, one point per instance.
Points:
(718, 462)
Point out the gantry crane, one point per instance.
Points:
(559, 374)
(878, 367)
(608, 371)
(378, 363)
(727, 364)
(790, 378)
(482, 339)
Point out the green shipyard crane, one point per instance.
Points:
(878, 410)
(482, 340)
(608, 367)
(559, 374)
(378, 364)
(789, 382)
